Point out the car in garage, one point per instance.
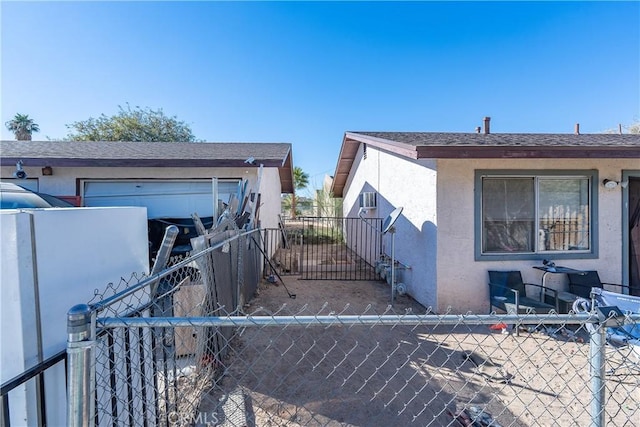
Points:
(186, 231)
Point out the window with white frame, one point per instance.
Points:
(533, 213)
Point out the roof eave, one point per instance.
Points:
(350, 143)
(286, 174)
(284, 165)
(401, 148)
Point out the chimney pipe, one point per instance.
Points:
(486, 125)
(620, 128)
(577, 128)
(477, 129)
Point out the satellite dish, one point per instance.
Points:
(391, 219)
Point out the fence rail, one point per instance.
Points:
(36, 374)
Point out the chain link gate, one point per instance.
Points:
(181, 359)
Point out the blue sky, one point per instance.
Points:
(307, 72)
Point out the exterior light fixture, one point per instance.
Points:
(610, 184)
(20, 173)
(47, 171)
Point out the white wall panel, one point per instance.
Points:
(62, 255)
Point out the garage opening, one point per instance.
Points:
(168, 202)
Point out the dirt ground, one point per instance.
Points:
(322, 296)
(399, 375)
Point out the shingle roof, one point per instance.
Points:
(149, 154)
(506, 139)
(434, 145)
(170, 151)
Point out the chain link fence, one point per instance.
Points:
(181, 348)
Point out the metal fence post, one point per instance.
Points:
(81, 367)
(597, 359)
(243, 246)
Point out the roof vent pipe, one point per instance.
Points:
(486, 125)
(620, 128)
(477, 129)
(577, 128)
(487, 130)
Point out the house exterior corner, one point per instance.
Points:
(479, 202)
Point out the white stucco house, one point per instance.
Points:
(474, 202)
(169, 179)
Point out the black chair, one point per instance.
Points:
(580, 284)
(508, 292)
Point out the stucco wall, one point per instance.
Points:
(412, 186)
(270, 200)
(435, 234)
(64, 181)
(462, 282)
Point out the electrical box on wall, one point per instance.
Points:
(368, 200)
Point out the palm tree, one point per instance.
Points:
(300, 181)
(22, 127)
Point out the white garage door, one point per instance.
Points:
(163, 199)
